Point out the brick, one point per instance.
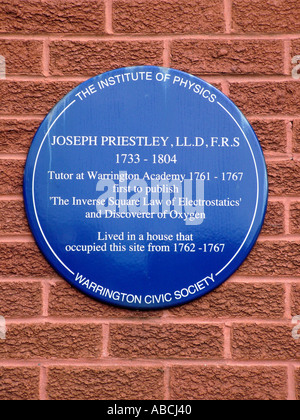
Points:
(19, 383)
(23, 260)
(264, 342)
(295, 300)
(295, 46)
(272, 134)
(22, 57)
(272, 16)
(266, 98)
(51, 341)
(237, 300)
(274, 221)
(11, 176)
(16, 136)
(99, 57)
(52, 16)
(105, 383)
(296, 136)
(20, 299)
(12, 218)
(168, 16)
(295, 217)
(269, 258)
(297, 374)
(66, 301)
(228, 57)
(284, 178)
(166, 341)
(216, 85)
(32, 97)
(228, 383)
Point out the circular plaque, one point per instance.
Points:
(145, 187)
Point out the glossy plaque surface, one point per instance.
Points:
(145, 187)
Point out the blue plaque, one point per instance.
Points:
(145, 187)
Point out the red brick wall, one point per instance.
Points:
(237, 341)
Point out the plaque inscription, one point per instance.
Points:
(145, 187)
